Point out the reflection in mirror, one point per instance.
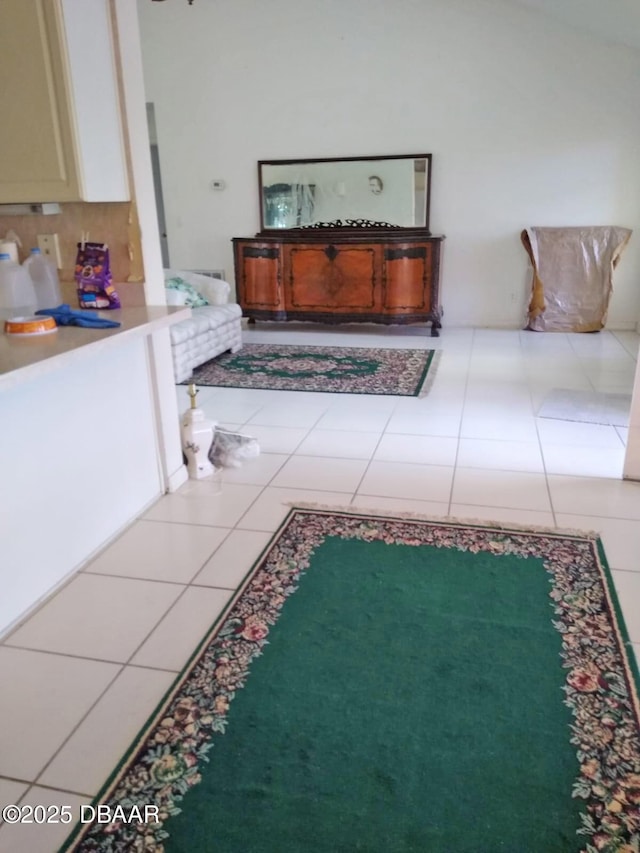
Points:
(385, 191)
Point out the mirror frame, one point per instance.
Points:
(348, 226)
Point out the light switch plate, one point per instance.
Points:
(49, 245)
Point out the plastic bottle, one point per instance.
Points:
(44, 276)
(9, 243)
(17, 293)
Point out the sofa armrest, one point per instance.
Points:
(215, 290)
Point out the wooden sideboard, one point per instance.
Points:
(385, 276)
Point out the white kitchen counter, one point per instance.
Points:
(89, 438)
(30, 357)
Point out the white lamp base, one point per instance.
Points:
(197, 437)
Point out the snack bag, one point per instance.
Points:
(93, 277)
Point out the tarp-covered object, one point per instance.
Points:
(572, 276)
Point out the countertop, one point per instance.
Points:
(28, 357)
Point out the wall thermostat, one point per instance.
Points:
(217, 184)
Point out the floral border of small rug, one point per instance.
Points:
(601, 683)
(342, 370)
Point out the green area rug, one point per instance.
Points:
(387, 684)
(346, 370)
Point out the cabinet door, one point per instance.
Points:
(259, 276)
(61, 132)
(336, 278)
(36, 140)
(408, 274)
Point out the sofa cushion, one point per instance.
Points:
(210, 331)
(205, 319)
(192, 297)
(215, 290)
(175, 297)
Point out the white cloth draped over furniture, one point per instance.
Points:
(212, 329)
(572, 276)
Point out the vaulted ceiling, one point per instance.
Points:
(612, 20)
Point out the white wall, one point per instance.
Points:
(136, 122)
(529, 122)
(79, 462)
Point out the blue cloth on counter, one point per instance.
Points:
(64, 315)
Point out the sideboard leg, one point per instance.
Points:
(435, 326)
(251, 321)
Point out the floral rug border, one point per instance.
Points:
(408, 372)
(601, 686)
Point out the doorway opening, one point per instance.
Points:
(157, 183)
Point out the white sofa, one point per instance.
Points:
(211, 330)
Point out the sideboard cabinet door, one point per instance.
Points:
(332, 278)
(407, 276)
(259, 277)
(60, 135)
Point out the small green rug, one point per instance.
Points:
(343, 370)
(389, 685)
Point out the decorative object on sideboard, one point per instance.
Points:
(298, 193)
(350, 223)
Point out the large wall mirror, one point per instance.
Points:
(348, 192)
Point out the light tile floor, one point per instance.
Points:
(85, 671)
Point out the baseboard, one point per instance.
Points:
(622, 326)
(177, 479)
(44, 599)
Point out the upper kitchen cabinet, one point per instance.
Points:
(60, 123)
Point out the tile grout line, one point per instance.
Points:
(123, 666)
(459, 437)
(542, 456)
(93, 660)
(119, 672)
(268, 485)
(370, 459)
(79, 723)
